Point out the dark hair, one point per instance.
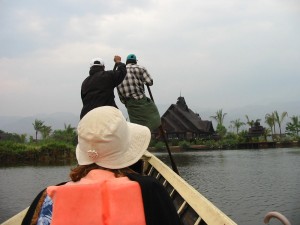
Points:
(82, 170)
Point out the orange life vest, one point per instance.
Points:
(99, 198)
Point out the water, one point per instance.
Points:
(244, 184)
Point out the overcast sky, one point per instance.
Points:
(215, 53)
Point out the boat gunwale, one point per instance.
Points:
(201, 205)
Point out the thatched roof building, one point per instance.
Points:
(181, 122)
(256, 130)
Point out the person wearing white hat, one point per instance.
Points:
(104, 189)
(98, 88)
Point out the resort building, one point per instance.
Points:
(181, 122)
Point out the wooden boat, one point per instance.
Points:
(192, 207)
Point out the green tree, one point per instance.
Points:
(237, 124)
(23, 138)
(252, 123)
(293, 127)
(270, 121)
(45, 131)
(37, 125)
(249, 122)
(20, 138)
(266, 133)
(69, 129)
(242, 136)
(221, 130)
(279, 119)
(219, 117)
(68, 134)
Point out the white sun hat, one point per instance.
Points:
(97, 62)
(107, 139)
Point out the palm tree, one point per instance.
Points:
(249, 122)
(293, 127)
(69, 129)
(45, 131)
(270, 120)
(67, 135)
(266, 133)
(279, 119)
(219, 117)
(252, 123)
(237, 124)
(70, 133)
(37, 125)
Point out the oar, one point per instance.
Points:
(174, 167)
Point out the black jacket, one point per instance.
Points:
(98, 88)
(158, 206)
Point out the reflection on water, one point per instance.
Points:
(244, 184)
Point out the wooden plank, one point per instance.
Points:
(16, 219)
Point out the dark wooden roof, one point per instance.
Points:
(256, 130)
(180, 119)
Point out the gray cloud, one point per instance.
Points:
(215, 54)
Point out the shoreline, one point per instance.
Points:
(241, 146)
(57, 155)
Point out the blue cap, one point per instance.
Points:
(131, 56)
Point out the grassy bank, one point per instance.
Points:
(12, 153)
(55, 152)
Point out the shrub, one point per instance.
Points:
(184, 144)
(11, 152)
(175, 142)
(160, 145)
(228, 144)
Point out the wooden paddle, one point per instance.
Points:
(174, 167)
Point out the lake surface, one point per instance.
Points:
(244, 184)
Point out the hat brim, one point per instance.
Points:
(139, 139)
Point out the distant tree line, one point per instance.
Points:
(67, 135)
(273, 120)
(242, 133)
(54, 144)
(237, 127)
